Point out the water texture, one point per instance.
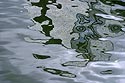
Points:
(62, 41)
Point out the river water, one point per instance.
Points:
(62, 41)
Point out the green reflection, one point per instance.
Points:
(42, 18)
(54, 41)
(47, 29)
(76, 63)
(80, 28)
(106, 72)
(120, 12)
(115, 28)
(58, 72)
(113, 2)
(90, 29)
(37, 56)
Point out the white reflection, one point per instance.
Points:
(110, 17)
(119, 53)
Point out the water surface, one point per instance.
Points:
(62, 41)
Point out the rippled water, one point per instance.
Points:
(62, 41)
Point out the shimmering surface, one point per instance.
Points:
(62, 41)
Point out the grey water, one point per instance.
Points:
(62, 41)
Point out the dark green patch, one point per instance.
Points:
(44, 3)
(89, 56)
(120, 12)
(54, 41)
(47, 29)
(37, 56)
(105, 34)
(107, 72)
(94, 46)
(42, 18)
(83, 47)
(113, 2)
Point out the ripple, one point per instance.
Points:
(110, 17)
(63, 41)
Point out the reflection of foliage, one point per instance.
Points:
(80, 29)
(112, 2)
(115, 28)
(90, 28)
(111, 28)
(90, 2)
(59, 72)
(47, 29)
(37, 56)
(54, 41)
(106, 72)
(120, 12)
(43, 3)
(76, 63)
(81, 45)
(98, 49)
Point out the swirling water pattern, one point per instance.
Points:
(62, 41)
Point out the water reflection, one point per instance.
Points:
(43, 3)
(112, 2)
(76, 63)
(99, 23)
(37, 56)
(58, 72)
(107, 72)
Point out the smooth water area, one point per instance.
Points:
(62, 41)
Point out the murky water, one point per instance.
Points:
(62, 41)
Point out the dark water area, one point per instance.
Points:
(62, 41)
